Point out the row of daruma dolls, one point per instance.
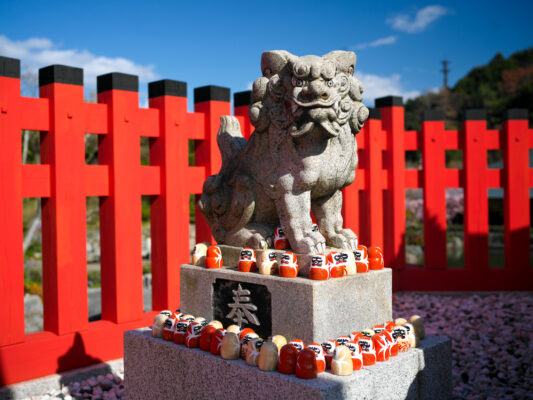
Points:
(336, 264)
(341, 356)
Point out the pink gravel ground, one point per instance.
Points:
(492, 339)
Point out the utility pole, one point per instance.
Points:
(445, 71)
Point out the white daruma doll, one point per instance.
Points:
(198, 254)
(268, 263)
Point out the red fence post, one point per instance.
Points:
(241, 104)
(120, 212)
(355, 211)
(515, 145)
(433, 178)
(374, 146)
(476, 209)
(392, 117)
(64, 214)
(170, 210)
(213, 102)
(11, 238)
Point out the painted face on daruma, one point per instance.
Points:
(247, 255)
(399, 332)
(280, 240)
(339, 258)
(299, 344)
(269, 256)
(288, 258)
(181, 326)
(329, 346)
(342, 340)
(318, 261)
(366, 345)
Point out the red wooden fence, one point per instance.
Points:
(374, 205)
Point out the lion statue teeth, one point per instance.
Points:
(306, 112)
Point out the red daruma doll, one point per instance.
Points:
(393, 345)
(287, 359)
(247, 261)
(329, 351)
(367, 348)
(361, 259)
(280, 240)
(180, 331)
(375, 258)
(213, 258)
(168, 328)
(320, 359)
(216, 341)
(289, 265)
(337, 264)
(194, 332)
(319, 270)
(381, 345)
(306, 366)
(207, 337)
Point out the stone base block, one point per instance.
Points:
(156, 369)
(313, 311)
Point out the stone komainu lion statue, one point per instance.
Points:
(306, 112)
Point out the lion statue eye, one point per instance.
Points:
(330, 83)
(299, 82)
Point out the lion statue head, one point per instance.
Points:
(297, 94)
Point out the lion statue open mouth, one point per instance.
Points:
(306, 112)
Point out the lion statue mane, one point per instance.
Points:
(302, 153)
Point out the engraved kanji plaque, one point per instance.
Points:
(247, 305)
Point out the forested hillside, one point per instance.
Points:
(501, 84)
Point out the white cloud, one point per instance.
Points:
(35, 53)
(379, 86)
(419, 22)
(378, 42)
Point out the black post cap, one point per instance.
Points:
(167, 87)
(432, 115)
(242, 98)
(9, 67)
(60, 74)
(474, 115)
(516, 114)
(117, 81)
(374, 113)
(389, 101)
(209, 93)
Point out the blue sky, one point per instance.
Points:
(399, 44)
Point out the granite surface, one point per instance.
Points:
(301, 308)
(155, 368)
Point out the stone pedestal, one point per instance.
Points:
(297, 308)
(156, 369)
